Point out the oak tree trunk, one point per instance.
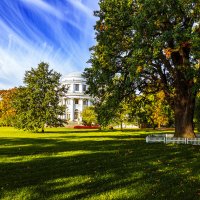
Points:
(184, 112)
(185, 94)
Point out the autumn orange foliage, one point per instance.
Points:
(6, 109)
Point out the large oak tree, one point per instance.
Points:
(147, 46)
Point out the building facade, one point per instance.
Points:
(76, 99)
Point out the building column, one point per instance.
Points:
(62, 103)
(66, 107)
(71, 109)
(81, 109)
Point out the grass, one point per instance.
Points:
(87, 164)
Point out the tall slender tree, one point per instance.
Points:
(148, 46)
(37, 103)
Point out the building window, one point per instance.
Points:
(76, 101)
(76, 114)
(68, 116)
(85, 102)
(76, 87)
(84, 88)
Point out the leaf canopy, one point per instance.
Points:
(37, 103)
(145, 46)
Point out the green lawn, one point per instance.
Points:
(82, 164)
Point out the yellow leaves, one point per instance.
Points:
(167, 52)
(158, 23)
(6, 108)
(102, 27)
(139, 69)
(160, 95)
(197, 66)
(158, 114)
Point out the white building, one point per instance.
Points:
(76, 99)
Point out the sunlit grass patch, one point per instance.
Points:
(91, 164)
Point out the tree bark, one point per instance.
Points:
(121, 125)
(184, 113)
(184, 104)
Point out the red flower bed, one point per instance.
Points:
(86, 127)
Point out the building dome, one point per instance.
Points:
(73, 76)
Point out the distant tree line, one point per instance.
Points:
(36, 105)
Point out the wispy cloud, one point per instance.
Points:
(54, 31)
(78, 4)
(42, 5)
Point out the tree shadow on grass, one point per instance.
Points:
(130, 169)
(71, 130)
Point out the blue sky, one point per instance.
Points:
(59, 32)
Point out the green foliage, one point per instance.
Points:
(106, 111)
(121, 115)
(37, 103)
(89, 116)
(140, 51)
(152, 110)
